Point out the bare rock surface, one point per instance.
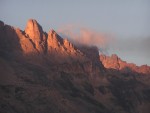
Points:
(114, 62)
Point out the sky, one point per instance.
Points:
(127, 22)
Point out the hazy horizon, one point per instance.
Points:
(126, 22)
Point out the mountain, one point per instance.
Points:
(49, 48)
(43, 73)
(114, 62)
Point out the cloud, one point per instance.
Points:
(134, 49)
(84, 36)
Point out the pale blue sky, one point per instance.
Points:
(124, 18)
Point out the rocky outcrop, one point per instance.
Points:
(34, 44)
(54, 40)
(58, 45)
(26, 43)
(92, 53)
(35, 40)
(35, 32)
(114, 62)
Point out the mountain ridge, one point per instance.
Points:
(34, 42)
(43, 73)
(114, 62)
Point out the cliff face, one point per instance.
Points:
(35, 32)
(44, 73)
(114, 62)
(34, 44)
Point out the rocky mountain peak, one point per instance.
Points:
(54, 40)
(67, 44)
(33, 41)
(114, 62)
(33, 27)
(35, 32)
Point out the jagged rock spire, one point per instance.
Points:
(35, 32)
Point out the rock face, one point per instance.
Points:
(114, 62)
(41, 47)
(27, 46)
(35, 32)
(62, 47)
(51, 44)
(44, 73)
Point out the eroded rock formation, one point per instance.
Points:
(114, 62)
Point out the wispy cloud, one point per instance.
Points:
(136, 50)
(84, 36)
